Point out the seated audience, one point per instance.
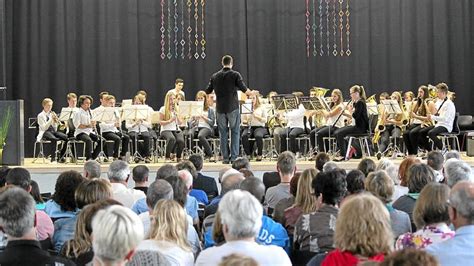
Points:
(36, 194)
(118, 174)
(330, 166)
(452, 154)
(286, 167)
(407, 257)
(355, 182)
(271, 179)
(354, 245)
(17, 220)
(160, 189)
(241, 219)
(366, 166)
(392, 171)
(168, 233)
(241, 163)
(3, 174)
(431, 219)
(380, 185)
(229, 183)
(435, 160)
(116, 232)
(458, 250)
(314, 232)
(202, 182)
(91, 169)
(191, 206)
(166, 170)
(321, 159)
(62, 204)
(403, 169)
(456, 170)
(284, 204)
(140, 177)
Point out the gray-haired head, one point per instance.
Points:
(140, 173)
(92, 169)
(116, 231)
(286, 163)
(241, 213)
(384, 164)
(452, 154)
(462, 199)
(223, 171)
(187, 178)
(166, 171)
(254, 186)
(160, 189)
(330, 166)
(392, 172)
(231, 182)
(456, 170)
(119, 171)
(17, 212)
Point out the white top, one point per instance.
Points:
(172, 252)
(254, 122)
(44, 120)
(142, 127)
(264, 255)
(446, 114)
(82, 117)
(340, 123)
(176, 93)
(398, 192)
(168, 127)
(204, 123)
(126, 196)
(295, 117)
(107, 126)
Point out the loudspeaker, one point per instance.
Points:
(470, 144)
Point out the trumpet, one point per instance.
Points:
(61, 124)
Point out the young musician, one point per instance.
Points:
(102, 98)
(408, 100)
(255, 127)
(419, 116)
(139, 129)
(48, 123)
(85, 127)
(110, 129)
(393, 124)
(337, 107)
(203, 125)
(72, 103)
(170, 121)
(358, 113)
(178, 89)
(295, 126)
(443, 119)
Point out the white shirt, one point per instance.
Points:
(143, 127)
(172, 252)
(254, 122)
(176, 93)
(203, 122)
(44, 120)
(340, 123)
(295, 117)
(264, 255)
(126, 196)
(446, 114)
(171, 126)
(82, 117)
(107, 126)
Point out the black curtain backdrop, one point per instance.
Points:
(86, 46)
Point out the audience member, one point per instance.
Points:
(355, 182)
(419, 175)
(458, 250)
(62, 203)
(330, 166)
(91, 169)
(191, 202)
(381, 185)
(241, 218)
(403, 169)
(452, 154)
(286, 167)
(314, 232)
(17, 220)
(231, 182)
(166, 170)
(240, 163)
(202, 182)
(36, 194)
(284, 204)
(3, 174)
(456, 171)
(435, 160)
(321, 159)
(168, 233)
(384, 164)
(116, 232)
(246, 172)
(431, 218)
(140, 177)
(119, 173)
(409, 257)
(366, 166)
(354, 245)
(271, 179)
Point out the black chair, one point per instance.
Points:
(453, 135)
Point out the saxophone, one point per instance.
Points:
(379, 128)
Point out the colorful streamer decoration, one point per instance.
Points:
(334, 17)
(179, 17)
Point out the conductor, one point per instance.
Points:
(225, 84)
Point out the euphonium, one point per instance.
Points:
(319, 118)
(428, 123)
(371, 99)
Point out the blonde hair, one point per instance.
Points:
(339, 96)
(167, 115)
(71, 95)
(45, 101)
(360, 89)
(91, 191)
(305, 198)
(140, 98)
(431, 206)
(238, 259)
(203, 94)
(380, 185)
(363, 226)
(257, 101)
(169, 223)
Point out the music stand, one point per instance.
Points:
(391, 107)
(104, 115)
(136, 112)
(188, 109)
(126, 102)
(285, 102)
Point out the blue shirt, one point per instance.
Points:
(271, 233)
(192, 207)
(53, 210)
(200, 195)
(64, 229)
(458, 250)
(140, 206)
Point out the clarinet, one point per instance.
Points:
(94, 129)
(120, 123)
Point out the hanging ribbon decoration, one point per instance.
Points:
(307, 28)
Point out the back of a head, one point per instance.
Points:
(456, 170)
(334, 186)
(305, 198)
(65, 189)
(197, 160)
(119, 171)
(254, 186)
(452, 154)
(116, 231)
(380, 185)
(4, 170)
(366, 166)
(241, 162)
(17, 212)
(187, 178)
(435, 160)
(187, 165)
(368, 212)
(241, 213)
(384, 164)
(140, 173)
(91, 191)
(431, 207)
(321, 159)
(92, 169)
(227, 60)
(419, 175)
(231, 182)
(180, 191)
(286, 163)
(462, 199)
(294, 184)
(160, 189)
(355, 181)
(330, 166)
(165, 171)
(404, 167)
(410, 257)
(19, 177)
(223, 171)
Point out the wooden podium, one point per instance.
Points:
(12, 133)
